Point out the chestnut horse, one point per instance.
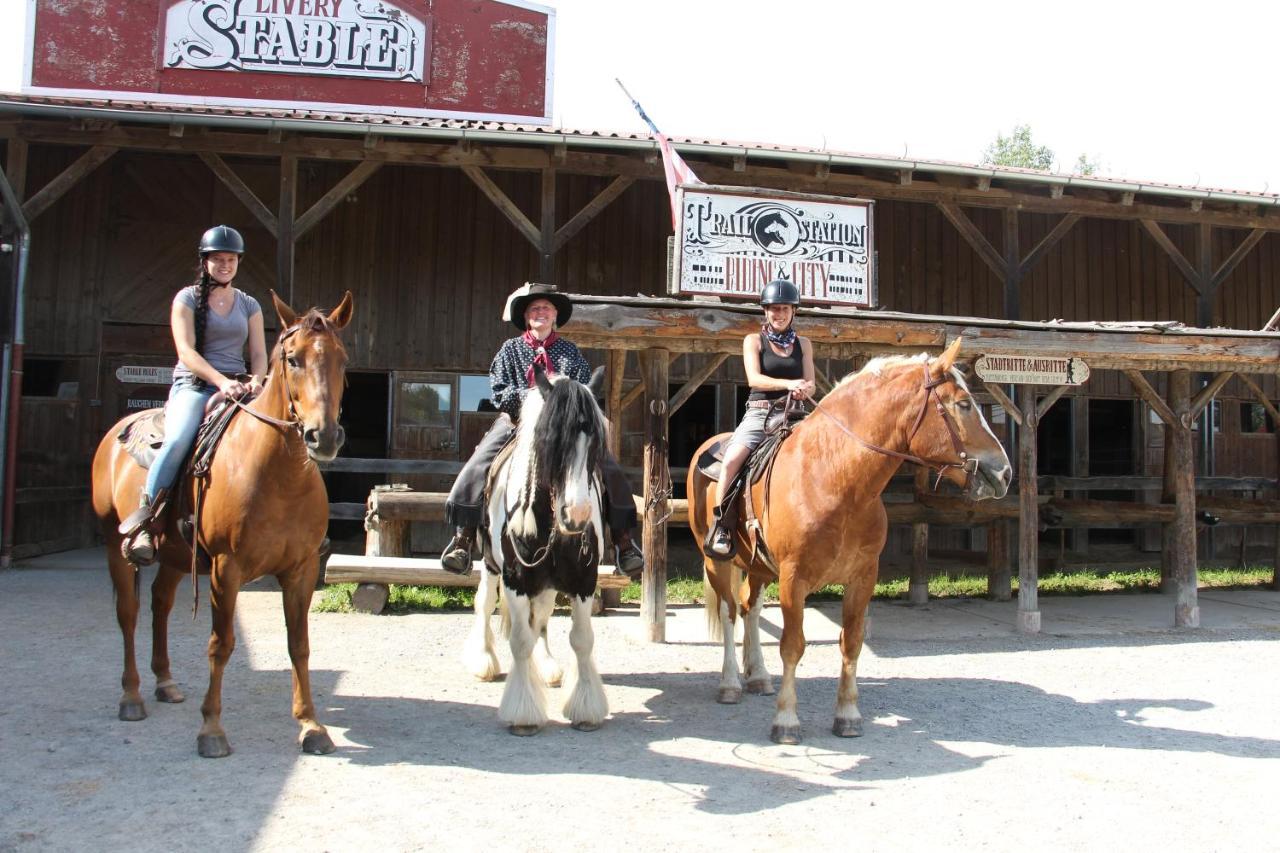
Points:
(264, 512)
(832, 530)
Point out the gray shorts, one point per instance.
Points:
(750, 432)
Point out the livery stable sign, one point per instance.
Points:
(344, 38)
(1031, 370)
(732, 241)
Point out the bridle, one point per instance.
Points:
(967, 464)
(293, 421)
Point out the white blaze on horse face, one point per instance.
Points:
(574, 508)
(995, 473)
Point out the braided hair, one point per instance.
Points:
(204, 282)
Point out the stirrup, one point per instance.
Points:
(456, 556)
(140, 548)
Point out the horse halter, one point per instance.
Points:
(967, 464)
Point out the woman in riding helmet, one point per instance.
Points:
(778, 362)
(536, 310)
(211, 321)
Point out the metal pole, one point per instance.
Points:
(11, 382)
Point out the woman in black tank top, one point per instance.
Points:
(778, 362)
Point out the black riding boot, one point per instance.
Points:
(456, 556)
(630, 561)
(719, 543)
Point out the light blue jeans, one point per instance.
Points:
(182, 416)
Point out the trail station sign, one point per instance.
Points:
(1031, 370)
(732, 241)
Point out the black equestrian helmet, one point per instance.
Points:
(221, 238)
(780, 292)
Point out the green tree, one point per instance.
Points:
(1086, 165)
(1018, 149)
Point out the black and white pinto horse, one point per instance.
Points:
(543, 534)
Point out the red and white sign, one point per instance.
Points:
(345, 38)
(458, 59)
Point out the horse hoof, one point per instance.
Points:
(729, 696)
(761, 688)
(317, 743)
(212, 746)
(524, 731)
(171, 694)
(132, 712)
(846, 728)
(785, 734)
(586, 727)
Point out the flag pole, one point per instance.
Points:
(639, 108)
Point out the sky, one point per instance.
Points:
(1176, 92)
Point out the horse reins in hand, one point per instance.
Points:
(930, 386)
(294, 421)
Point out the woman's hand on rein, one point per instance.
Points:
(233, 388)
(800, 388)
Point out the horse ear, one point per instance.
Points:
(283, 311)
(540, 379)
(596, 385)
(341, 315)
(943, 363)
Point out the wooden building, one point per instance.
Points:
(432, 219)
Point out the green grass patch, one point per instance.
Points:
(336, 598)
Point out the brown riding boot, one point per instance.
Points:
(139, 546)
(456, 556)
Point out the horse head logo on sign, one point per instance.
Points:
(345, 38)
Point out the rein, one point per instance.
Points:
(294, 421)
(929, 386)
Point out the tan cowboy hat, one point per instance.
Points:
(522, 296)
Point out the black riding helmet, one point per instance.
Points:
(780, 292)
(221, 238)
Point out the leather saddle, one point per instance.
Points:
(777, 426)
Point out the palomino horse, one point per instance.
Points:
(264, 512)
(544, 534)
(833, 529)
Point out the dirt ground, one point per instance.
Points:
(1107, 731)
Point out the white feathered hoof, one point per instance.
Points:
(524, 731)
(586, 727)
(483, 664)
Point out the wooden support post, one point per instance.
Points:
(1013, 268)
(1028, 515)
(1186, 609)
(614, 372)
(999, 575)
(918, 586)
(655, 371)
(1080, 463)
(16, 168)
(285, 225)
(382, 539)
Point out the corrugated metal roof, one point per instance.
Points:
(411, 125)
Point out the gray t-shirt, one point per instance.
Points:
(224, 337)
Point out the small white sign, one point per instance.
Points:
(132, 374)
(732, 241)
(1032, 370)
(343, 38)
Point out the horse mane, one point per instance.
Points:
(879, 365)
(568, 411)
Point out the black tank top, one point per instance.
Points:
(778, 367)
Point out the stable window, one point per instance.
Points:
(1254, 418)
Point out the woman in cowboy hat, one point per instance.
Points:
(536, 310)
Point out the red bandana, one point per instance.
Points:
(540, 353)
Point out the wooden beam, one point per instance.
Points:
(590, 211)
(1163, 241)
(70, 176)
(1055, 191)
(739, 162)
(695, 382)
(1013, 271)
(975, 238)
(631, 396)
(1065, 224)
(16, 167)
(1208, 392)
(1262, 398)
(984, 184)
(285, 243)
(318, 211)
(904, 177)
(547, 231)
(1049, 399)
(617, 366)
(1149, 396)
(241, 191)
(506, 206)
(1126, 198)
(1237, 256)
(1010, 407)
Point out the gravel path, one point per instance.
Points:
(1105, 732)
